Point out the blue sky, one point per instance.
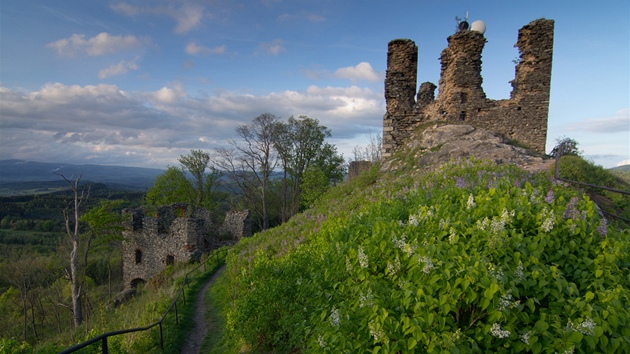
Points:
(137, 83)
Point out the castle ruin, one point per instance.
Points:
(461, 99)
(175, 233)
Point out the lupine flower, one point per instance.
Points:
(497, 332)
(348, 265)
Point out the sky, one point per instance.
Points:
(139, 83)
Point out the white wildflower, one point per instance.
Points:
(428, 264)
(452, 237)
(525, 338)
(455, 336)
(507, 303)
(587, 327)
(518, 273)
(363, 259)
(483, 224)
(366, 300)
(400, 242)
(379, 335)
(321, 342)
(497, 332)
(495, 272)
(348, 265)
(471, 202)
(334, 317)
(548, 222)
(392, 268)
(413, 220)
(443, 224)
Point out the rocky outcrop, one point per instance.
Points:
(441, 143)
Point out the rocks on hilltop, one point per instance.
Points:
(440, 143)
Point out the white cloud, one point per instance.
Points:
(362, 71)
(117, 69)
(619, 122)
(101, 44)
(72, 123)
(622, 163)
(186, 15)
(274, 47)
(193, 48)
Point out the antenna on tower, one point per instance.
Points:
(462, 24)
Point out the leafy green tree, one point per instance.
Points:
(104, 233)
(566, 146)
(196, 163)
(170, 187)
(250, 163)
(314, 184)
(301, 144)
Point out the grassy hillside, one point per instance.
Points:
(470, 257)
(145, 308)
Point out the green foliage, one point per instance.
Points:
(566, 146)
(575, 168)
(314, 184)
(468, 258)
(171, 187)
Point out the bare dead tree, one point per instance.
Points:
(71, 217)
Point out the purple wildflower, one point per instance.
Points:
(549, 197)
(602, 229)
(571, 212)
(460, 183)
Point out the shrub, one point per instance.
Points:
(468, 258)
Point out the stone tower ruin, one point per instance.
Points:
(461, 99)
(175, 233)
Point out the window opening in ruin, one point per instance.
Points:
(170, 259)
(463, 97)
(138, 256)
(518, 108)
(462, 115)
(136, 282)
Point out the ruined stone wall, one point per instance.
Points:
(461, 99)
(174, 233)
(356, 167)
(237, 224)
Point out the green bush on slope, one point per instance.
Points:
(471, 257)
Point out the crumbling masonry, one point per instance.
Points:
(461, 99)
(175, 233)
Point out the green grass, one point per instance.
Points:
(423, 261)
(145, 308)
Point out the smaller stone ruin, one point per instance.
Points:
(174, 233)
(355, 168)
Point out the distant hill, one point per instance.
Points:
(20, 177)
(624, 168)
